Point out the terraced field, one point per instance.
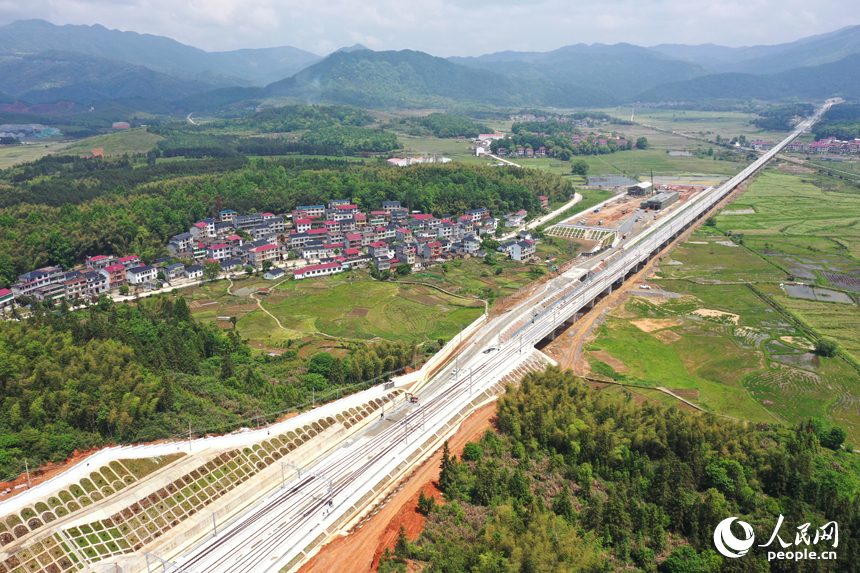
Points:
(760, 369)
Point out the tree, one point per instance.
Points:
(446, 468)
(249, 270)
(403, 269)
(321, 363)
(642, 143)
(401, 546)
(579, 167)
(426, 503)
(267, 265)
(123, 290)
(565, 155)
(711, 222)
(227, 369)
(826, 346)
(233, 321)
(211, 270)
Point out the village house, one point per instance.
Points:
(142, 274)
(516, 219)
(29, 282)
(219, 252)
(227, 216)
(314, 271)
(259, 255)
(522, 250)
(97, 283)
(129, 262)
(7, 299)
(204, 229)
(174, 271)
(99, 262)
(194, 272)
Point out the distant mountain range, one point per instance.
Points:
(44, 63)
(258, 66)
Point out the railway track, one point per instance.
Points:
(291, 519)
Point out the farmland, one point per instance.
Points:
(733, 323)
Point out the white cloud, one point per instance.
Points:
(449, 27)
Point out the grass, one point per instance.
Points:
(700, 123)
(16, 154)
(129, 141)
(746, 371)
(713, 262)
(144, 466)
(761, 368)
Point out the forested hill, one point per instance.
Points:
(63, 76)
(108, 208)
(121, 373)
(415, 79)
(813, 82)
(584, 480)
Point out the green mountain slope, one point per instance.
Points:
(623, 69)
(814, 82)
(54, 76)
(810, 51)
(415, 79)
(161, 54)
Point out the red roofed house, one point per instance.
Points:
(421, 217)
(402, 234)
(432, 250)
(378, 249)
(99, 262)
(313, 271)
(347, 208)
(351, 252)
(129, 262)
(7, 298)
(352, 240)
(220, 252)
(360, 219)
(258, 255)
(115, 275)
(302, 225)
(544, 201)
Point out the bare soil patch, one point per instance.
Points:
(798, 341)
(358, 312)
(711, 313)
(616, 364)
(667, 336)
(652, 324)
(685, 393)
(794, 168)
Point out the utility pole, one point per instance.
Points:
(189, 437)
(27, 467)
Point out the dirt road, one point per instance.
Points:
(360, 551)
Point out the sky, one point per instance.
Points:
(449, 27)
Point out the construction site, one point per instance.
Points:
(623, 216)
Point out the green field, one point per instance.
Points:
(757, 362)
(130, 141)
(759, 369)
(727, 124)
(16, 154)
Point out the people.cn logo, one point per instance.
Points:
(727, 544)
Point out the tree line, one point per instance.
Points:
(578, 479)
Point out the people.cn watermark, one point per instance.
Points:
(730, 546)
